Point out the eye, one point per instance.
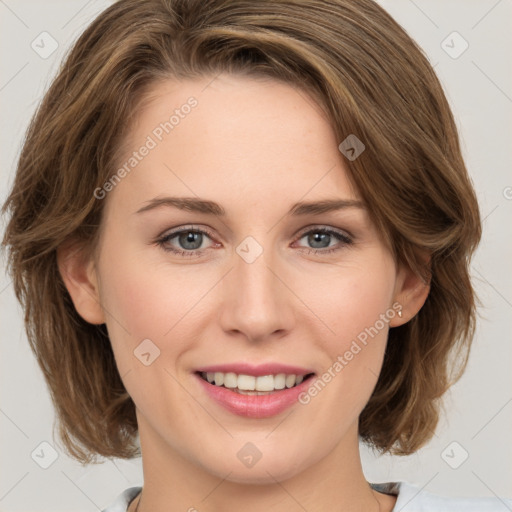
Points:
(189, 241)
(320, 239)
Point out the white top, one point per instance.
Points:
(410, 499)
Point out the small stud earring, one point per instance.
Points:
(400, 313)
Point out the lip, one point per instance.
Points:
(254, 406)
(256, 370)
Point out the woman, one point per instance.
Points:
(241, 231)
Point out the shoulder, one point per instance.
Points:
(412, 498)
(123, 500)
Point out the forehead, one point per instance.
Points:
(233, 136)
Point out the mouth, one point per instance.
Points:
(253, 385)
(254, 391)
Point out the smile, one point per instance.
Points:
(253, 391)
(251, 384)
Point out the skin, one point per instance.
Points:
(255, 147)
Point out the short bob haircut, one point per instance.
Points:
(370, 78)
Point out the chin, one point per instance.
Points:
(271, 467)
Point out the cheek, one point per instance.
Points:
(351, 301)
(147, 301)
(134, 302)
(353, 306)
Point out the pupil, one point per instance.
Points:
(191, 238)
(318, 238)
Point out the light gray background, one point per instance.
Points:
(479, 408)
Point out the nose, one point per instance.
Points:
(256, 301)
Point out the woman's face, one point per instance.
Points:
(266, 288)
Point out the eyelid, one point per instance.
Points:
(190, 227)
(168, 234)
(324, 227)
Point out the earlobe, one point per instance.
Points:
(80, 278)
(411, 294)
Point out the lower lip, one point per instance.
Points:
(254, 406)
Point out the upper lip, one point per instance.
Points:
(256, 370)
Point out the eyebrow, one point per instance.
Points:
(194, 204)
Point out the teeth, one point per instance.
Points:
(290, 381)
(230, 380)
(250, 392)
(247, 383)
(264, 383)
(280, 381)
(251, 385)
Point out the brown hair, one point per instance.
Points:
(371, 79)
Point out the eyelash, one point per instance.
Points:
(161, 242)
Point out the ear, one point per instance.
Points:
(411, 292)
(80, 278)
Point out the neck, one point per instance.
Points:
(335, 482)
